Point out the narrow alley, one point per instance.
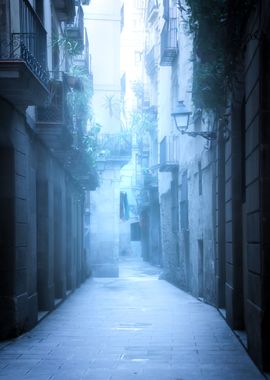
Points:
(132, 327)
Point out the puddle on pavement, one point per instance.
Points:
(134, 359)
(132, 327)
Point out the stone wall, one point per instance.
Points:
(257, 164)
(41, 226)
(243, 198)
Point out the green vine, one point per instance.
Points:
(90, 144)
(79, 98)
(143, 118)
(142, 121)
(218, 28)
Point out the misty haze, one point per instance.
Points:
(135, 185)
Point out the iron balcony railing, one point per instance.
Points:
(167, 154)
(56, 111)
(168, 42)
(75, 30)
(28, 44)
(151, 60)
(83, 60)
(114, 146)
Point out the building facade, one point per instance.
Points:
(213, 172)
(242, 195)
(184, 197)
(45, 167)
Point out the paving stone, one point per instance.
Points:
(132, 327)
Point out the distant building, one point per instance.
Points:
(45, 88)
(104, 20)
(132, 71)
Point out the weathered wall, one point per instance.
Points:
(196, 240)
(243, 198)
(36, 228)
(154, 229)
(170, 253)
(257, 105)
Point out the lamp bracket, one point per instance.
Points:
(205, 134)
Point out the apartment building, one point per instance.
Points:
(213, 166)
(45, 92)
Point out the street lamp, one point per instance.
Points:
(181, 117)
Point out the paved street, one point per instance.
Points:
(134, 327)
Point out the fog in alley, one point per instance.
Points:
(134, 211)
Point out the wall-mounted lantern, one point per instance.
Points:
(181, 117)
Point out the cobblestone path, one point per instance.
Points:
(133, 327)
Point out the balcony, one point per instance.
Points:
(23, 58)
(114, 148)
(53, 120)
(167, 160)
(83, 61)
(151, 61)
(168, 43)
(75, 30)
(65, 9)
(150, 180)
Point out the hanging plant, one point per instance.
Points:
(71, 46)
(142, 121)
(80, 94)
(218, 28)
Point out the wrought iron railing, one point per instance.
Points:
(114, 146)
(168, 42)
(75, 30)
(83, 60)
(28, 44)
(56, 110)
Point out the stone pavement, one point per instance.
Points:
(134, 327)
